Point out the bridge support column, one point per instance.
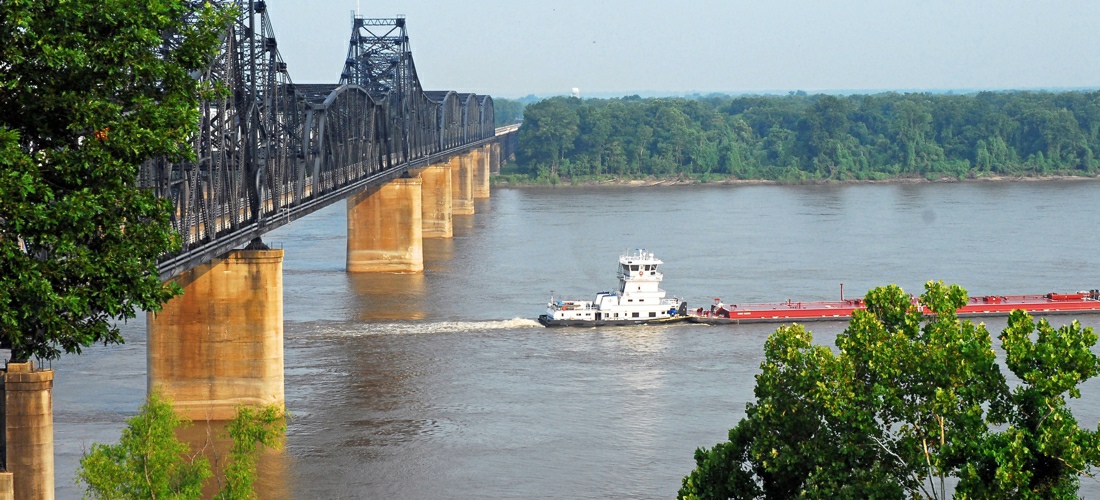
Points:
(494, 159)
(480, 158)
(7, 486)
(462, 186)
(27, 418)
(385, 228)
(220, 344)
(436, 199)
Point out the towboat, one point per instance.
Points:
(638, 299)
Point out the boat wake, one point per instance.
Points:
(415, 328)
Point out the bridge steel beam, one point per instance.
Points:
(220, 344)
(270, 150)
(385, 228)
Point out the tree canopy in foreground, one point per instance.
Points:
(150, 462)
(89, 90)
(906, 402)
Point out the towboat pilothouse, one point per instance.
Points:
(638, 300)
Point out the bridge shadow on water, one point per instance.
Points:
(389, 296)
(403, 296)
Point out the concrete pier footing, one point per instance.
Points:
(7, 486)
(220, 344)
(436, 199)
(480, 159)
(385, 228)
(27, 444)
(462, 185)
(494, 159)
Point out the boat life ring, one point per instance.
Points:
(641, 273)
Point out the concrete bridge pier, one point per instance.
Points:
(7, 486)
(385, 228)
(462, 185)
(437, 221)
(220, 344)
(494, 159)
(480, 158)
(26, 420)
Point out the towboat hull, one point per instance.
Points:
(548, 322)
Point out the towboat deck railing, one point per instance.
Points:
(573, 306)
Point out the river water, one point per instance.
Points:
(442, 385)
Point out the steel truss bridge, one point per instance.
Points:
(270, 151)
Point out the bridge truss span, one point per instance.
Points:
(270, 151)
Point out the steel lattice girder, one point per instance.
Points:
(269, 151)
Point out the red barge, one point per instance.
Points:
(639, 300)
(988, 305)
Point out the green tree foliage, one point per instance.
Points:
(251, 429)
(549, 132)
(147, 462)
(89, 91)
(1043, 451)
(803, 138)
(508, 111)
(150, 462)
(912, 396)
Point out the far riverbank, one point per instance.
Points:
(520, 181)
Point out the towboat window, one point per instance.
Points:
(648, 267)
(634, 315)
(634, 267)
(652, 315)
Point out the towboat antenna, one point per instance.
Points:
(842, 292)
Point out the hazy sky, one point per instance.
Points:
(511, 48)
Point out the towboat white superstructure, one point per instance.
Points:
(639, 299)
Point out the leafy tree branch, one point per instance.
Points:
(89, 91)
(913, 395)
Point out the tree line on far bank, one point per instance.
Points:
(810, 138)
